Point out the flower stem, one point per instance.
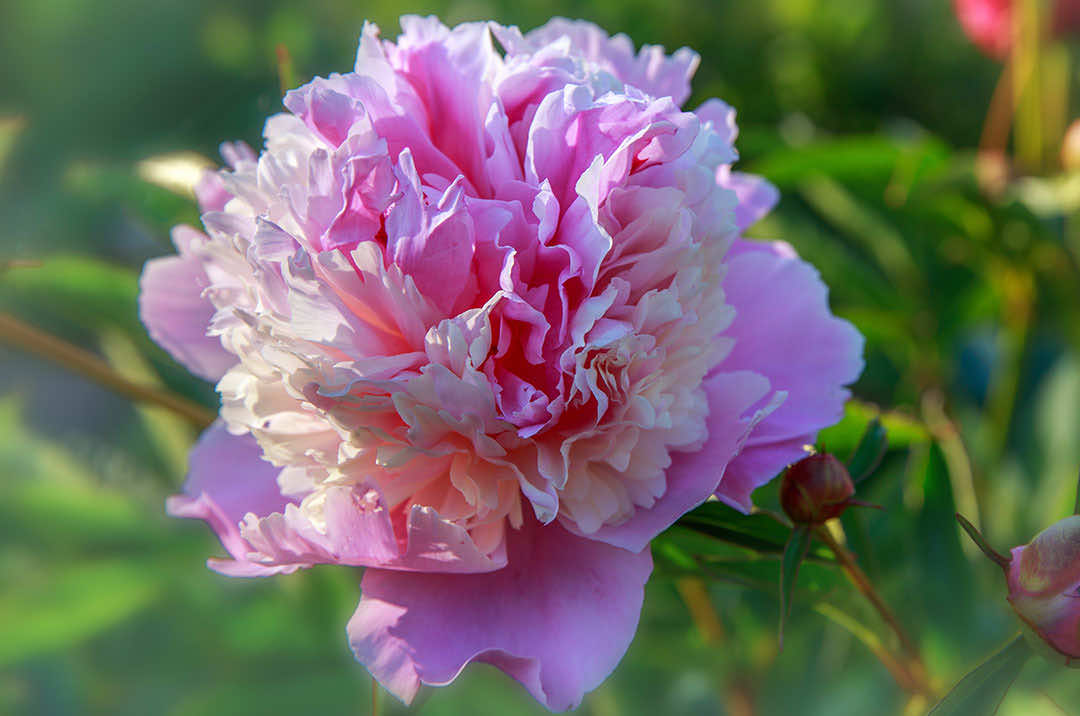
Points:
(870, 640)
(913, 663)
(696, 597)
(25, 337)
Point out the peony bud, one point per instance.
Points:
(1044, 587)
(989, 23)
(815, 489)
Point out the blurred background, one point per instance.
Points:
(922, 174)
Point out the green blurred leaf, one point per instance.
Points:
(982, 690)
(902, 430)
(868, 453)
(948, 590)
(74, 603)
(49, 499)
(850, 159)
(794, 554)
(758, 531)
(75, 292)
(83, 299)
(816, 580)
(10, 129)
(874, 233)
(112, 183)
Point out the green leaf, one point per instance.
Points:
(71, 605)
(874, 233)
(850, 159)
(758, 531)
(73, 292)
(794, 554)
(816, 581)
(948, 589)
(52, 501)
(10, 129)
(902, 430)
(83, 298)
(982, 690)
(868, 453)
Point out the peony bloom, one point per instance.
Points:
(1044, 586)
(482, 322)
(989, 23)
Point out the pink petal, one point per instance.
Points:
(230, 483)
(557, 618)
(650, 69)
(172, 308)
(227, 478)
(756, 196)
(358, 532)
(783, 329)
(694, 476)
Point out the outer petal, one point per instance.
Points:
(694, 476)
(756, 196)
(783, 329)
(172, 308)
(227, 479)
(358, 531)
(557, 618)
(235, 491)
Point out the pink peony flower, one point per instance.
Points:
(989, 23)
(1044, 587)
(482, 322)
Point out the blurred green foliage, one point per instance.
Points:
(865, 113)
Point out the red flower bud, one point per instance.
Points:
(815, 489)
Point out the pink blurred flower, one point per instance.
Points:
(482, 321)
(1044, 586)
(989, 23)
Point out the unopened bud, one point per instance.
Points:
(815, 489)
(1044, 587)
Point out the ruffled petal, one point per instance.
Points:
(176, 314)
(234, 490)
(358, 531)
(783, 329)
(694, 476)
(557, 618)
(650, 69)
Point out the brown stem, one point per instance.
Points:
(23, 336)
(895, 666)
(914, 666)
(740, 701)
(696, 597)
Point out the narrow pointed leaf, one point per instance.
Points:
(869, 452)
(982, 690)
(759, 531)
(794, 553)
